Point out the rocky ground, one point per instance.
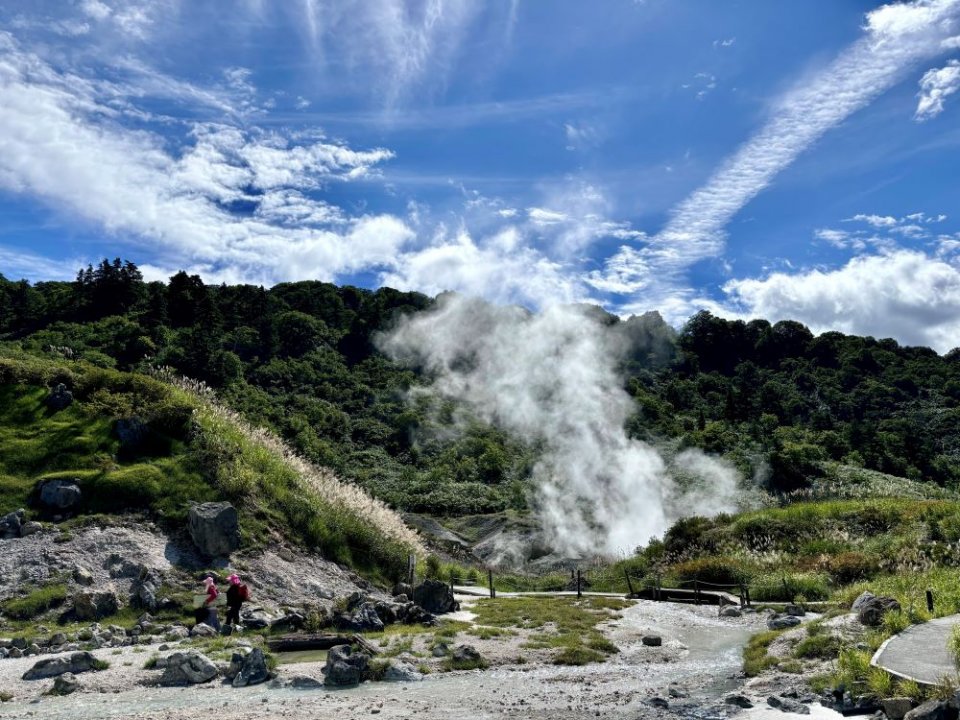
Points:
(689, 675)
(115, 556)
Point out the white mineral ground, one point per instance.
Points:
(701, 653)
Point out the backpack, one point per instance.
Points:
(243, 592)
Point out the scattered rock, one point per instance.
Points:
(435, 597)
(29, 528)
(677, 692)
(730, 611)
(740, 701)
(787, 705)
(82, 576)
(188, 668)
(652, 640)
(466, 655)
(659, 703)
(253, 669)
(782, 622)
(440, 650)
(59, 398)
(872, 610)
(10, 524)
(58, 495)
(930, 710)
(65, 684)
(897, 707)
(402, 589)
(95, 605)
(795, 610)
(131, 432)
(144, 591)
(214, 528)
(362, 618)
(345, 667)
(75, 663)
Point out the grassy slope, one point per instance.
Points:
(196, 452)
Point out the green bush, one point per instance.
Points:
(717, 570)
(775, 587)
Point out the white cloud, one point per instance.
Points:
(877, 221)
(897, 38)
(725, 43)
(935, 87)
(580, 136)
(904, 294)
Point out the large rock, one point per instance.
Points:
(402, 672)
(95, 605)
(10, 524)
(871, 611)
(131, 432)
(730, 611)
(435, 597)
(864, 597)
(214, 528)
(75, 663)
(466, 656)
(188, 668)
(144, 591)
(253, 670)
(57, 495)
(345, 667)
(930, 710)
(59, 398)
(787, 705)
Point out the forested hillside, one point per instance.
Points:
(301, 358)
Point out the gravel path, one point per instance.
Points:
(920, 652)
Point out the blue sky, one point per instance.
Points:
(783, 159)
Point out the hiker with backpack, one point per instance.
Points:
(237, 593)
(209, 605)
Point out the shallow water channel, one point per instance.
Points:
(700, 650)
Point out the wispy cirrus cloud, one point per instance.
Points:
(897, 37)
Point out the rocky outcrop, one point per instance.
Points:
(57, 495)
(896, 708)
(75, 663)
(401, 672)
(362, 618)
(466, 656)
(59, 398)
(788, 705)
(435, 597)
(730, 611)
(187, 668)
(95, 605)
(931, 710)
(345, 667)
(145, 588)
(214, 528)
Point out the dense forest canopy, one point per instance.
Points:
(302, 358)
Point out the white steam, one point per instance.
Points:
(551, 379)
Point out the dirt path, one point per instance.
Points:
(920, 652)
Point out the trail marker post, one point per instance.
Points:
(929, 600)
(629, 584)
(493, 592)
(579, 585)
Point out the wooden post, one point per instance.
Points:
(696, 590)
(493, 593)
(629, 584)
(930, 600)
(411, 568)
(579, 583)
(786, 590)
(746, 594)
(452, 579)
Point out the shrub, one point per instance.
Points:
(718, 570)
(821, 646)
(850, 567)
(578, 656)
(35, 602)
(776, 587)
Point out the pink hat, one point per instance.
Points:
(234, 579)
(208, 581)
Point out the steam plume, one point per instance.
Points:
(551, 378)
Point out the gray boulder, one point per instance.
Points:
(202, 630)
(305, 682)
(59, 398)
(730, 611)
(435, 597)
(871, 611)
(795, 610)
(145, 588)
(65, 684)
(345, 667)
(75, 663)
(188, 668)
(131, 432)
(788, 705)
(214, 528)
(782, 622)
(253, 669)
(863, 598)
(82, 576)
(740, 701)
(10, 525)
(402, 589)
(930, 710)
(58, 495)
(95, 605)
(466, 656)
(29, 528)
(652, 640)
(402, 672)
(896, 708)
